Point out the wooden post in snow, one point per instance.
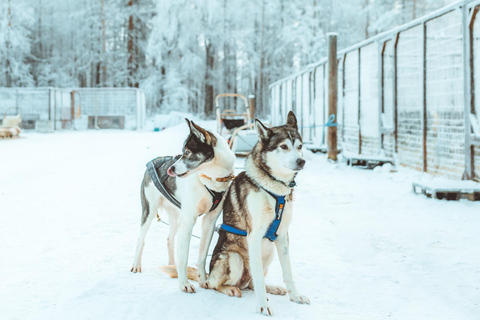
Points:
(251, 99)
(332, 95)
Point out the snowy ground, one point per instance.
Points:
(362, 245)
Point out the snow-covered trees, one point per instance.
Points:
(182, 52)
(16, 21)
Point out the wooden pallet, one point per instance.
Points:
(10, 138)
(448, 190)
(366, 162)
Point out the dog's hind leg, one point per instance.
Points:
(150, 203)
(137, 261)
(276, 290)
(173, 214)
(230, 291)
(226, 273)
(208, 226)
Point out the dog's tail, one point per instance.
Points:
(172, 272)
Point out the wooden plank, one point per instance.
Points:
(365, 161)
(448, 189)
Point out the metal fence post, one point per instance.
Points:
(54, 109)
(324, 103)
(343, 97)
(394, 96)
(424, 93)
(16, 101)
(314, 109)
(359, 75)
(332, 95)
(294, 95)
(300, 111)
(310, 104)
(49, 104)
(96, 112)
(380, 83)
(467, 77)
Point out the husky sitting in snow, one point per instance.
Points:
(256, 216)
(186, 187)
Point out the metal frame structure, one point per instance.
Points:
(468, 10)
(58, 106)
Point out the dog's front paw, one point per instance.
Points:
(203, 284)
(136, 268)
(300, 299)
(187, 287)
(234, 292)
(265, 310)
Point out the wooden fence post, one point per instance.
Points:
(332, 95)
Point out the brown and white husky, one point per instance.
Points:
(241, 261)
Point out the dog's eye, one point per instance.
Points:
(300, 147)
(187, 153)
(284, 147)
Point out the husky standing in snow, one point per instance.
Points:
(186, 187)
(256, 215)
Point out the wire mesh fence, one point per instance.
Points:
(409, 93)
(80, 108)
(32, 104)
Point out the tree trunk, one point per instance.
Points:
(367, 22)
(104, 49)
(209, 90)
(132, 63)
(260, 101)
(8, 76)
(414, 9)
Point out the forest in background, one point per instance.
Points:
(182, 52)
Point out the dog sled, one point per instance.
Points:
(236, 128)
(10, 128)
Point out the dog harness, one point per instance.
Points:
(159, 182)
(271, 233)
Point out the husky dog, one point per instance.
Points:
(250, 207)
(197, 179)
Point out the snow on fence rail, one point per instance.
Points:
(408, 93)
(79, 108)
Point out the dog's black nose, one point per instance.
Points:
(300, 162)
(172, 168)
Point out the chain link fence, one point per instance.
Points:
(409, 93)
(80, 108)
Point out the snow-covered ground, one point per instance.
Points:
(363, 246)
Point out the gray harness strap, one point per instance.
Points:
(159, 182)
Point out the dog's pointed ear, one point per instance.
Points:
(292, 120)
(263, 132)
(199, 132)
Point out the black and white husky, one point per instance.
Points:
(203, 170)
(250, 207)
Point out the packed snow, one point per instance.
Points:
(363, 246)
